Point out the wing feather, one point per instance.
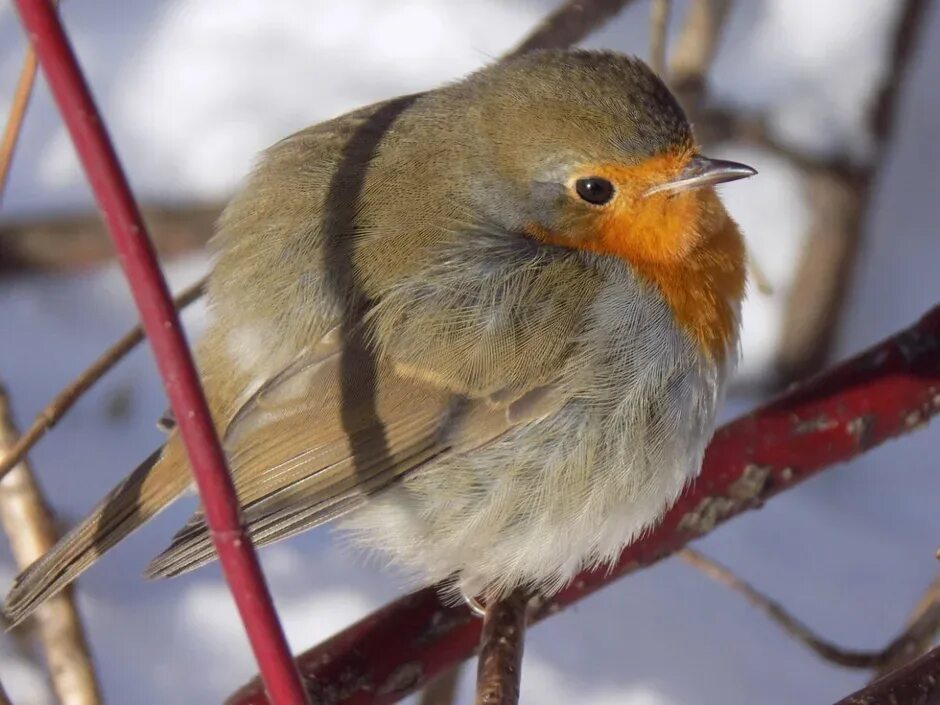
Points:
(324, 435)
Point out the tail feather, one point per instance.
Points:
(155, 483)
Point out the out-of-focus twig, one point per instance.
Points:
(11, 133)
(569, 24)
(839, 203)
(917, 683)
(659, 28)
(694, 50)
(64, 400)
(57, 242)
(4, 698)
(30, 527)
(912, 642)
(21, 95)
(920, 632)
(502, 643)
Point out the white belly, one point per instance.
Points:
(570, 491)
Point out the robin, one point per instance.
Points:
(486, 327)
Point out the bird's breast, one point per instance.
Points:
(551, 497)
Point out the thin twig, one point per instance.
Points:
(11, 133)
(499, 670)
(4, 698)
(695, 48)
(30, 526)
(659, 27)
(569, 24)
(913, 641)
(64, 400)
(822, 279)
(918, 634)
(14, 126)
(53, 242)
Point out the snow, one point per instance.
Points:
(194, 89)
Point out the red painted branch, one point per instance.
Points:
(885, 392)
(174, 361)
(917, 683)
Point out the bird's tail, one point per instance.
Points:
(155, 483)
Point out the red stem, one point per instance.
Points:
(915, 683)
(882, 393)
(174, 361)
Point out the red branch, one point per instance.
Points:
(916, 683)
(885, 392)
(159, 320)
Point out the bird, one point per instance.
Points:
(485, 329)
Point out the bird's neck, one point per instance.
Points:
(704, 290)
(689, 248)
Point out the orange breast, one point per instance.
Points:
(705, 289)
(686, 245)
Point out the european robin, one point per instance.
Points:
(488, 326)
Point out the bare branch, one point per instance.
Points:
(912, 642)
(569, 24)
(21, 95)
(11, 133)
(921, 631)
(65, 400)
(695, 49)
(499, 670)
(67, 242)
(810, 325)
(30, 526)
(659, 28)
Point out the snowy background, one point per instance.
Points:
(193, 89)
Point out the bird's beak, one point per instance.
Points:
(702, 171)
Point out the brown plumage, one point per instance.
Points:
(488, 325)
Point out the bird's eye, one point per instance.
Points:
(594, 189)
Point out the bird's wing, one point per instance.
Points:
(333, 428)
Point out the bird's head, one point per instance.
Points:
(590, 151)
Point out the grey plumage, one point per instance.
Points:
(390, 343)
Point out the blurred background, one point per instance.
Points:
(842, 220)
